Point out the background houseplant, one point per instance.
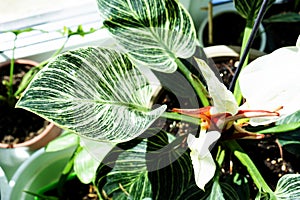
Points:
(20, 73)
(14, 85)
(12, 153)
(158, 37)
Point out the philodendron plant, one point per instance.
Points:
(105, 97)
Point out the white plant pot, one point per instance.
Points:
(41, 169)
(11, 159)
(3, 184)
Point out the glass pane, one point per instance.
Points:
(12, 10)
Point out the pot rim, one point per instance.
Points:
(48, 134)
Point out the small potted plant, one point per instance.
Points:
(104, 95)
(19, 128)
(15, 76)
(21, 131)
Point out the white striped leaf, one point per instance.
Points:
(96, 93)
(128, 178)
(153, 32)
(137, 169)
(288, 187)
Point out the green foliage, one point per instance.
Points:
(169, 167)
(42, 197)
(86, 90)
(19, 31)
(249, 9)
(64, 141)
(287, 131)
(79, 31)
(239, 183)
(284, 17)
(148, 169)
(282, 128)
(129, 177)
(102, 94)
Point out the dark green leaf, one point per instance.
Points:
(170, 168)
(128, 177)
(282, 128)
(289, 123)
(292, 147)
(284, 17)
(42, 197)
(193, 192)
(228, 192)
(290, 141)
(293, 118)
(249, 9)
(240, 185)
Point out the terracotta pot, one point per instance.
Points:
(48, 134)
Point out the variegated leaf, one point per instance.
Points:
(153, 32)
(96, 93)
(288, 187)
(128, 179)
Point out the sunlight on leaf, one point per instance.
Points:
(94, 92)
(64, 141)
(98, 150)
(85, 166)
(274, 85)
(153, 32)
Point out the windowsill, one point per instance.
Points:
(38, 45)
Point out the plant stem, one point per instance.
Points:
(220, 156)
(33, 71)
(196, 83)
(10, 91)
(245, 50)
(248, 163)
(66, 172)
(176, 116)
(58, 51)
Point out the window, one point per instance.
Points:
(49, 16)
